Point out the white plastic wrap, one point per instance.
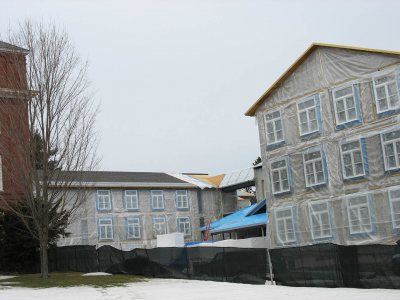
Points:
(330, 145)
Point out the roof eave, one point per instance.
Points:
(252, 110)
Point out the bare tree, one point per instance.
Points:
(60, 140)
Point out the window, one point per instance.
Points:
(131, 200)
(159, 225)
(314, 169)
(157, 200)
(394, 197)
(103, 200)
(320, 220)
(386, 93)
(184, 225)
(359, 214)
(133, 228)
(182, 200)
(308, 114)
(391, 150)
(1, 174)
(105, 229)
(280, 176)
(346, 104)
(285, 225)
(353, 158)
(274, 127)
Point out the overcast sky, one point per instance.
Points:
(174, 78)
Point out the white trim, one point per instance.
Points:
(163, 223)
(272, 121)
(184, 199)
(106, 238)
(311, 213)
(313, 162)
(357, 207)
(307, 111)
(107, 206)
(187, 227)
(279, 169)
(285, 225)
(383, 74)
(155, 198)
(136, 225)
(119, 184)
(392, 213)
(396, 151)
(343, 98)
(341, 143)
(131, 199)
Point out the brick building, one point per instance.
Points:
(13, 121)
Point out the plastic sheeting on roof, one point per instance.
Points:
(200, 183)
(243, 218)
(237, 177)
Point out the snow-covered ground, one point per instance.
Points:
(171, 289)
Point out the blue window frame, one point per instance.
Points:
(183, 225)
(315, 168)
(159, 225)
(394, 201)
(103, 200)
(346, 103)
(353, 154)
(309, 115)
(157, 200)
(274, 128)
(391, 150)
(182, 200)
(105, 230)
(133, 228)
(131, 200)
(387, 95)
(320, 220)
(360, 214)
(285, 223)
(280, 176)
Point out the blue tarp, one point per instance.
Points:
(244, 218)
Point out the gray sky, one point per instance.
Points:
(174, 78)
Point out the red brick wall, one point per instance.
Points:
(12, 71)
(14, 126)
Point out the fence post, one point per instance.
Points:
(224, 262)
(151, 265)
(188, 264)
(271, 275)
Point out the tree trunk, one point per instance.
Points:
(44, 263)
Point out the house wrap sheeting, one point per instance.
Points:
(332, 169)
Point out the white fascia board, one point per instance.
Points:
(125, 184)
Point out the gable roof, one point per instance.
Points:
(121, 179)
(251, 111)
(6, 47)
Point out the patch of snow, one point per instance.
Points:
(6, 277)
(96, 274)
(174, 289)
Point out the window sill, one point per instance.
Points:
(275, 145)
(104, 210)
(348, 124)
(282, 193)
(388, 112)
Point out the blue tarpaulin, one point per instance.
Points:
(244, 218)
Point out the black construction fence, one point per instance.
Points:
(321, 265)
